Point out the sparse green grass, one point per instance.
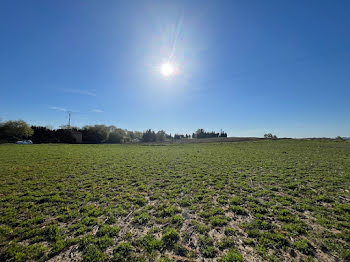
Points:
(281, 199)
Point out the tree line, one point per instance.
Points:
(12, 131)
(200, 133)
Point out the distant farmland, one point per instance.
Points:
(279, 200)
(209, 140)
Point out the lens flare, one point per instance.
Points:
(167, 69)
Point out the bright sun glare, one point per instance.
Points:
(167, 69)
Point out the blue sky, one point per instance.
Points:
(247, 67)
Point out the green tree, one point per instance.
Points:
(149, 136)
(270, 136)
(95, 134)
(116, 135)
(11, 131)
(160, 136)
(339, 138)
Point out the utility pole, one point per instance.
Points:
(69, 114)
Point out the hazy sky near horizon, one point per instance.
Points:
(247, 67)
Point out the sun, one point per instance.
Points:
(167, 69)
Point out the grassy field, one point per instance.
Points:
(245, 201)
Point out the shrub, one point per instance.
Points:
(170, 237)
(123, 248)
(304, 246)
(295, 228)
(150, 243)
(218, 220)
(177, 220)
(185, 202)
(226, 242)
(209, 251)
(168, 211)
(104, 242)
(239, 210)
(141, 201)
(111, 220)
(16, 252)
(199, 227)
(108, 230)
(229, 231)
(122, 252)
(141, 219)
(89, 221)
(273, 240)
(52, 232)
(253, 233)
(232, 256)
(58, 246)
(206, 246)
(235, 200)
(94, 254)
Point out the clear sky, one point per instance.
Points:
(247, 67)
